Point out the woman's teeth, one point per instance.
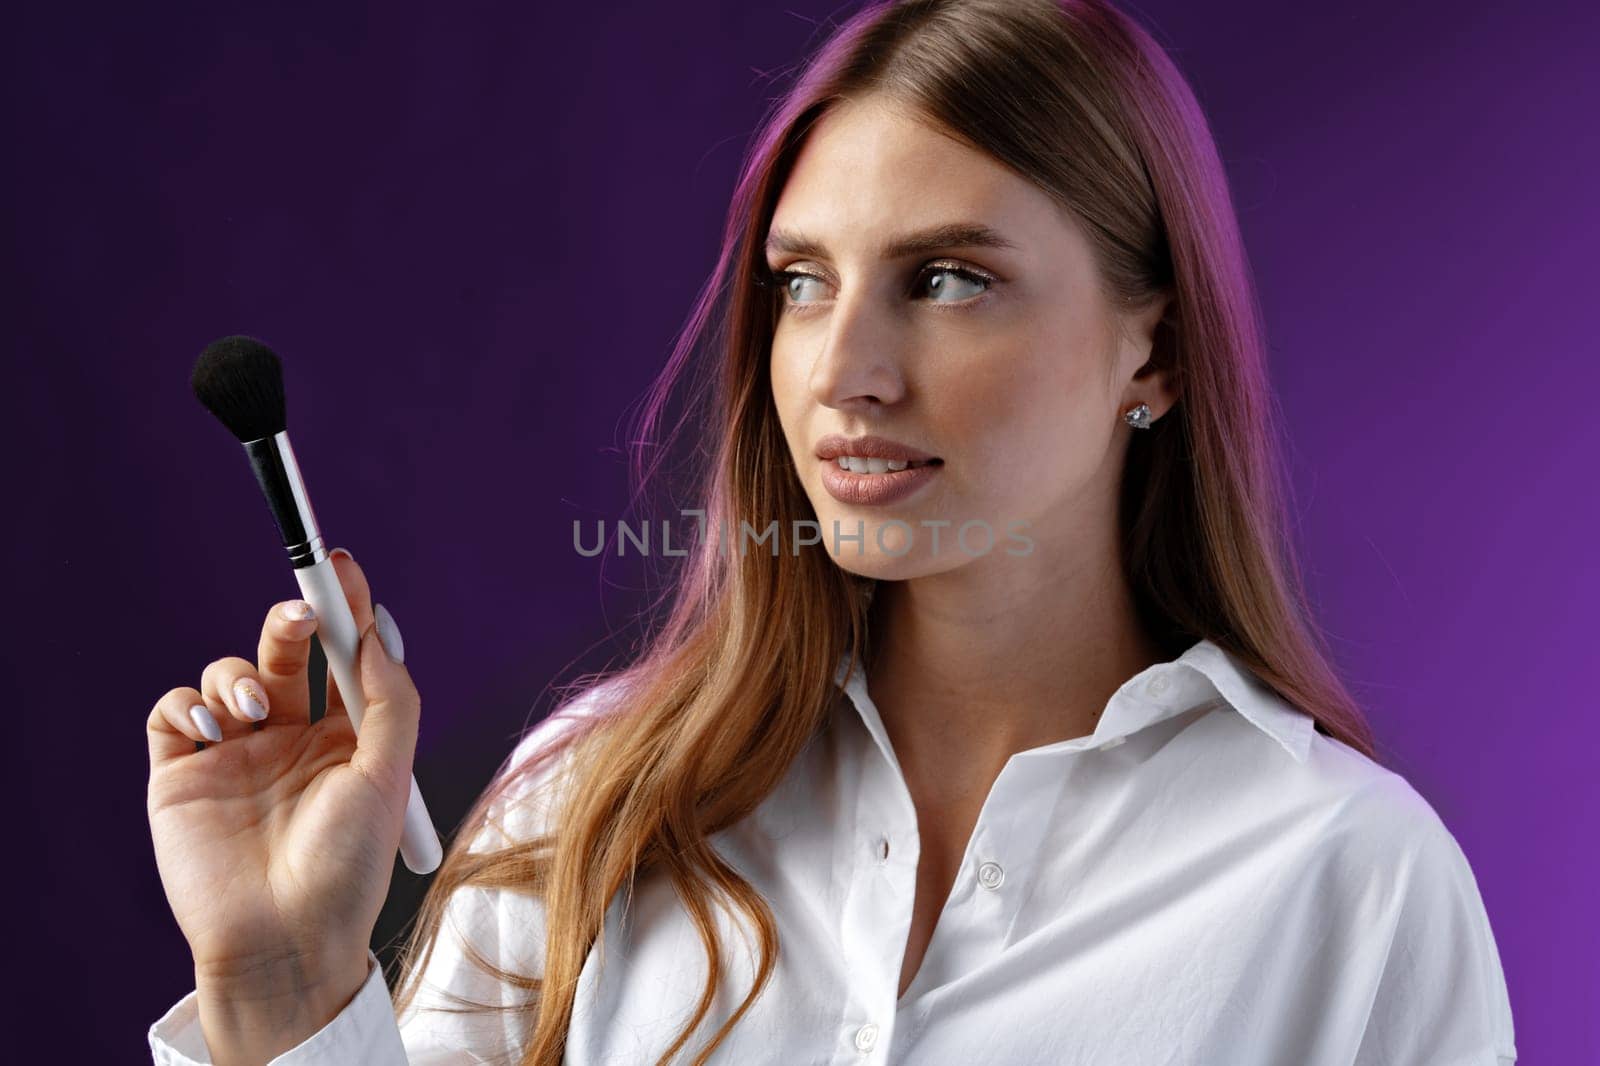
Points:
(858, 465)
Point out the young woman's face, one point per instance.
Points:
(998, 355)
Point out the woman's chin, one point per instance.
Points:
(889, 548)
(874, 563)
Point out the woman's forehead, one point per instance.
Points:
(882, 156)
(871, 177)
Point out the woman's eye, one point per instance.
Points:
(938, 284)
(794, 284)
(948, 284)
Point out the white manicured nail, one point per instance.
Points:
(389, 633)
(203, 721)
(250, 699)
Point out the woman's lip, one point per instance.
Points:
(846, 486)
(869, 446)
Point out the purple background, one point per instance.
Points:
(472, 235)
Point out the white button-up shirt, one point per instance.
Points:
(1202, 881)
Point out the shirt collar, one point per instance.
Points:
(1203, 674)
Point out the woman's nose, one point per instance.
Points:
(858, 363)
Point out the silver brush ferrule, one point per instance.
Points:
(278, 474)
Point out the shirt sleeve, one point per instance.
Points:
(505, 927)
(430, 1033)
(363, 1034)
(1441, 998)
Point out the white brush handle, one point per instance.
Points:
(336, 627)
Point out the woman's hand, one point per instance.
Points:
(277, 842)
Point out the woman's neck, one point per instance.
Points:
(975, 664)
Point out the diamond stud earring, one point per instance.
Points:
(1138, 417)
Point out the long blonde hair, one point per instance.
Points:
(1079, 99)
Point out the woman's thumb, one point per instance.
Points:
(389, 727)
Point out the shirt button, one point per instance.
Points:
(882, 849)
(990, 875)
(866, 1037)
(1158, 685)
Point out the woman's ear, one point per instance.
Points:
(1147, 351)
(1145, 321)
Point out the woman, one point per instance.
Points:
(1022, 749)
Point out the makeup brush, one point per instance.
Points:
(240, 380)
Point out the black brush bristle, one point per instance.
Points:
(240, 380)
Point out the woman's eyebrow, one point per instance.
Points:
(949, 235)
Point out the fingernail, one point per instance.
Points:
(389, 633)
(298, 611)
(204, 722)
(250, 699)
(341, 551)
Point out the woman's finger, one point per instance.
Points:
(179, 721)
(359, 595)
(281, 657)
(388, 741)
(233, 685)
(354, 580)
